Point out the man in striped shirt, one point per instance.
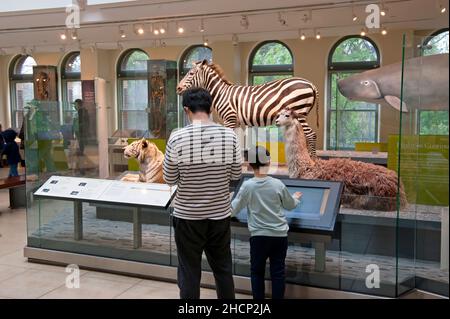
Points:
(202, 159)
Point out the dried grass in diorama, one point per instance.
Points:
(366, 186)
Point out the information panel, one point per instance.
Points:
(108, 191)
(317, 209)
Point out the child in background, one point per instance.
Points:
(11, 150)
(265, 197)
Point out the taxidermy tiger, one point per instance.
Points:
(150, 160)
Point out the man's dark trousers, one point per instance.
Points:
(192, 237)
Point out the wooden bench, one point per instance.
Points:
(17, 194)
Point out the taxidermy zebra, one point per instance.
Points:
(150, 160)
(254, 105)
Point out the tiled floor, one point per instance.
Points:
(21, 279)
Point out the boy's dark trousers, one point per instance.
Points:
(192, 237)
(274, 248)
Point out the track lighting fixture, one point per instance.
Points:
(202, 26)
(63, 36)
(354, 16)
(363, 32)
(318, 36)
(383, 10)
(244, 22)
(122, 33)
(281, 19)
(74, 34)
(235, 39)
(180, 29)
(302, 35)
(139, 29)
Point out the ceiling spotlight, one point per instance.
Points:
(318, 36)
(363, 32)
(63, 36)
(383, 10)
(139, 30)
(205, 42)
(180, 29)
(354, 16)
(162, 29)
(302, 35)
(244, 22)
(202, 25)
(384, 31)
(122, 33)
(156, 32)
(281, 20)
(74, 34)
(442, 9)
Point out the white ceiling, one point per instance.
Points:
(39, 30)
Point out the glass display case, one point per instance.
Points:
(156, 122)
(376, 252)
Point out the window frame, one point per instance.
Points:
(183, 71)
(269, 70)
(123, 75)
(14, 79)
(67, 77)
(349, 67)
(430, 37)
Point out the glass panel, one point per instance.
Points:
(73, 64)
(355, 50)
(273, 53)
(421, 157)
(437, 44)
(134, 104)
(135, 61)
(349, 121)
(261, 79)
(73, 92)
(350, 127)
(196, 54)
(24, 94)
(25, 65)
(433, 122)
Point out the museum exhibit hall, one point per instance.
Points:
(204, 149)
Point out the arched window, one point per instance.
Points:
(71, 80)
(193, 54)
(132, 90)
(21, 84)
(436, 43)
(432, 122)
(271, 60)
(349, 122)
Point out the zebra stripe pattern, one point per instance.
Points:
(254, 105)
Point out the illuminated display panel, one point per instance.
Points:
(318, 208)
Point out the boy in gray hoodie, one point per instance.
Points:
(265, 197)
